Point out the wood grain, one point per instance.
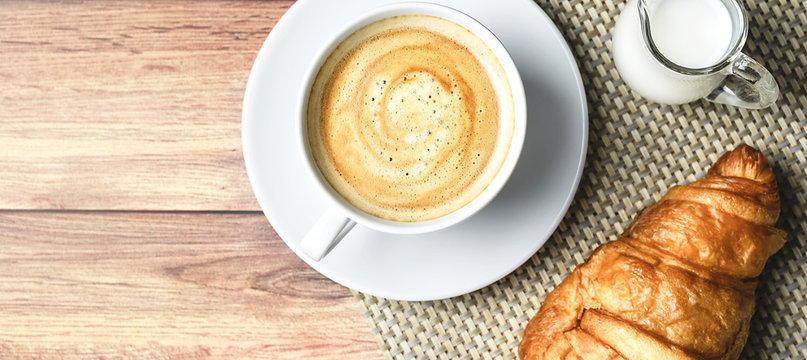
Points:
(128, 227)
(166, 285)
(126, 105)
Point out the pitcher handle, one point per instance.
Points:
(748, 84)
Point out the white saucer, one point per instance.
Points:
(464, 257)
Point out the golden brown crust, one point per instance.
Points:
(627, 340)
(679, 283)
(708, 237)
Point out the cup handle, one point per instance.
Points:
(331, 227)
(748, 84)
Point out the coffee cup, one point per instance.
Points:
(408, 136)
(678, 51)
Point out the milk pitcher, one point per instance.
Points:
(678, 51)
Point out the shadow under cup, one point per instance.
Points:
(337, 221)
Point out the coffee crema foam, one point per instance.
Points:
(405, 119)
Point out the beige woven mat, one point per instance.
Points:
(638, 150)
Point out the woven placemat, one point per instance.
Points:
(637, 150)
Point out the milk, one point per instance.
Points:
(690, 33)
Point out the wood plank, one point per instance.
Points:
(166, 285)
(127, 105)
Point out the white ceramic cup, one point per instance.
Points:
(341, 215)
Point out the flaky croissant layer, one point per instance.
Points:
(678, 283)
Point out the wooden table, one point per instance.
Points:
(128, 226)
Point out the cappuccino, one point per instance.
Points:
(410, 118)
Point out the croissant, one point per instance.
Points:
(678, 283)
